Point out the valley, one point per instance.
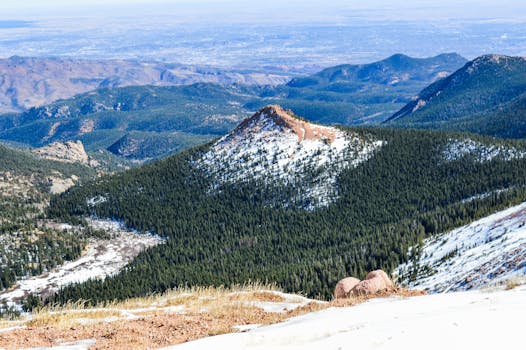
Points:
(225, 230)
(101, 257)
(285, 180)
(142, 123)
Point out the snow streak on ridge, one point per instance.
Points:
(482, 253)
(277, 148)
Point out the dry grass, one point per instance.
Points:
(66, 319)
(514, 282)
(507, 284)
(354, 300)
(154, 323)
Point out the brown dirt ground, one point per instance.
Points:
(154, 331)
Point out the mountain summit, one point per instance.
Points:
(282, 150)
(273, 117)
(394, 70)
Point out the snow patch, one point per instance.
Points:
(457, 149)
(290, 302)
(277, 148)
(84, 344)
(94, 201)
(477, 255)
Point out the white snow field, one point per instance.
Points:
(463, 320)
(486, 252)
(103, 257)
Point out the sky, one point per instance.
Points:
(264, 11)
(249, 32)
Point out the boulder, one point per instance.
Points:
(380, 274)
(376, 281)
(344, 287)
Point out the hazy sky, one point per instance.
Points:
(270, 9)
(249, 32)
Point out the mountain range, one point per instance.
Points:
(361, 94)
(280, 199)
(145, 122)
(27, 82)
(486, 96)
(320, 193)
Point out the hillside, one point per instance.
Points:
(486, 252)
(411, 185)
(26, 184)
(27, 82)
(261, 317)
(393, 323)
(145, 122)
(486, 96)
(365, 93)
(134, 122)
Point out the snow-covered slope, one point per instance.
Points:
(276, 147)
(460, 148)
(469, 320)
(103, 257)
(480, 254)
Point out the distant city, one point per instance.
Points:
(295, 48)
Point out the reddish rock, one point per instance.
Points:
(344, 287)
(380, 274)
(376, 281)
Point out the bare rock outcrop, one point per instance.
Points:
(68, 152)
(344, 287)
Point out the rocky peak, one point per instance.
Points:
(493, 60)
(275, 118)
(67, 152)
(278, 148)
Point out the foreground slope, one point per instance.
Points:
(470, 320)
(486, 96)
(231, 218)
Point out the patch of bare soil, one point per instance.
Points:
(163, 329)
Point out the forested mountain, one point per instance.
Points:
(365, 93)
(397, 69)
(486, 96)
(357, 199)
(26, 246)
(144, 122)
(136, 122)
